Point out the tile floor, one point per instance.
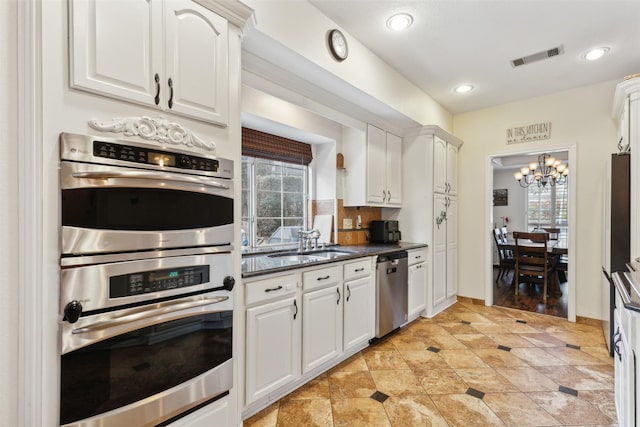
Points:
(469, 366)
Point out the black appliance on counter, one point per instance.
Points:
(616, 232)
(384, 231)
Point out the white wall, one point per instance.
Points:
(580, 116)
(301, 27)
(515, 210)
(9, 300)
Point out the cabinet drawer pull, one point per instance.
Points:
(358, 270)
(323, 278)
(277, 288)
(296, 307)
(157, 98)
(170, 82)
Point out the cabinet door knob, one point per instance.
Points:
(170, 82)
(157, 98)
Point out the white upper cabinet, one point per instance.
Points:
(374, 169)
(171, 54)
(445, 167)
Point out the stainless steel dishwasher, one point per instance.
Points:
(391, 292)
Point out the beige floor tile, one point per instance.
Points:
(385, 360)
(604, 400)
(345, 385)
(360, 412)
(445, 341)
(579, 377)
(580, 338)
(317, 388)
(459, 359)
(510, 340)
(516, 409)
(423, 361)
(495, 357)
(526, 378)
(473, 317)
(537, 357)
(305, 412)
(570, 410)
(409, 342)
(397, 382)
(443, 381)
(600, 352)
(516, 327)
(268, 417)
(475, 340)
(458, 328)
(486, 380)
(465, 410)
(410, 411)
(353, 364)
(573, 356)
(543, 340)
(491, 328)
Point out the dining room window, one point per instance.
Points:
(547, 207)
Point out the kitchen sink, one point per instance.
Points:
(317, 255)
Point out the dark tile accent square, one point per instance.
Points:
(434, 349)
(573, 346)
(379, 396)
(568, 390)
(475, 393)
(521, 321)
(466, 322)
(504, 347)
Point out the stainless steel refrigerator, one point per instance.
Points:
(616, 234)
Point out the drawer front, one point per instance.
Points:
(270, 289)
(316, 279)
(417, 256)
(354, 270)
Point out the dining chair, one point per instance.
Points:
(554, 233)
(532, 261)
(507, 262)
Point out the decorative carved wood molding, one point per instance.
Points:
(153, 129)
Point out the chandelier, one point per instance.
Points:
(548, 170)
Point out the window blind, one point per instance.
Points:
(273, 147)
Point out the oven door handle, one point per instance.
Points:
(208, 182)
(163, 309)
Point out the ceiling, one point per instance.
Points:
(473, 41)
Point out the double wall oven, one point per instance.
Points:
(146, 281)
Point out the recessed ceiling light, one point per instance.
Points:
(400, 21)
(596, 53)
(463, 88)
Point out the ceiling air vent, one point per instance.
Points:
(537, 56)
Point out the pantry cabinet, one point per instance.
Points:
(430, 164)
(176, 54)
(373, 169)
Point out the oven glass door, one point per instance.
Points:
(136, 365)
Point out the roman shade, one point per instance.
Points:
(267, 146)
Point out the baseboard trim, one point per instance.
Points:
(468, 300)
(588, 321)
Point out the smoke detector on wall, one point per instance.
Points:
(545, 54)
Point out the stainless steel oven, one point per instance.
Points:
(146, 282)
(120, 196)
(145, 341)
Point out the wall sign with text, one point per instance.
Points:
(534, 132)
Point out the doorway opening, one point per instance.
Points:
(530, 208)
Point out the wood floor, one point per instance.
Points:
(529, 298)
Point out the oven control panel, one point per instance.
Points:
(145, 282)
(129, 153)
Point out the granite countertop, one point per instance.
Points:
(261, 263)
(628, 286)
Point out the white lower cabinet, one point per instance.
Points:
(624, 367)
(321, 326)
(273, 336)
(359, 304)
(417, 292)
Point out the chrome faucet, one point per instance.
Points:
(308, 239)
